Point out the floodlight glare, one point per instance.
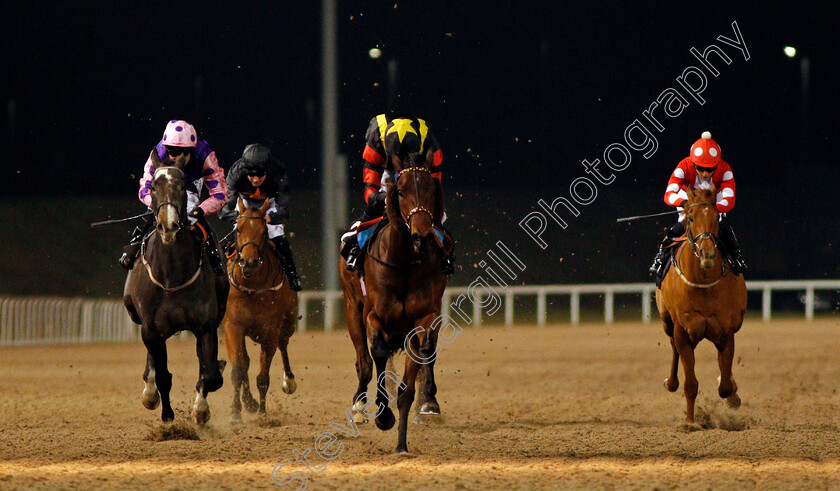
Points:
(790, 51)
(375, 53)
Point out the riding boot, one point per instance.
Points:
(216, 262)
(133, 248)
(284, 251)
(733, 250)
(657, 268)
(351, 251)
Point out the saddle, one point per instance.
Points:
(367, 231)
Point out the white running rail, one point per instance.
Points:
(55, 320)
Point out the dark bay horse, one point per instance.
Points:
(172, 288)
(700, 299)
(261, 305)
(404, 286)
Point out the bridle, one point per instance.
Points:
(409, 215)
(241, 262)
(239, 249)
(178, 209)
(418, 208)
(693, 240)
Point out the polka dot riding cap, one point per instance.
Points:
(179, 133)
(705, 152)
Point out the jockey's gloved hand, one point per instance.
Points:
(376, 198)
(196, 215)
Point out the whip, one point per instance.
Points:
(627, 219)
(118, 220)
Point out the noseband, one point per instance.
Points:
(694, 239)
(416, 209)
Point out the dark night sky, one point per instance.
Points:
(93, 85)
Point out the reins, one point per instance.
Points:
(411, 213)
(692, 241)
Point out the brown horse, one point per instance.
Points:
(172, 288)
(700, 299)
(261, 305)
(404, 286)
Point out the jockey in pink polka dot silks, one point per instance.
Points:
(180, 143)
(702, 169)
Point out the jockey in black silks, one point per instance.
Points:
(257, 177)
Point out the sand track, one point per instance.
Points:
(523, 407)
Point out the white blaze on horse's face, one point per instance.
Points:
(168, 183)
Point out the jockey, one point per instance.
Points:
(388, 135)
(702, 170)
(180, 141)
(255, 177)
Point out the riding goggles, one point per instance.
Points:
(177, 151)
(700, 168)
(255, 172)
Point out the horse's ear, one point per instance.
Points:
(240, 206)
(714, 190)
(689, 191)
(430, 158)
(154, 158)
(264, 207)
(397, 163)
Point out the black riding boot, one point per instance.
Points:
(733, 250)
(351, 251)
(284, 251)
(128, 257)
(657, 268)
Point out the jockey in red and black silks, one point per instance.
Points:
(387, 135)
(702, 169)
(180, 141)
(257, 177)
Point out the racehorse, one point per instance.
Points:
(172, 288)
(261, 305)
(700, 299)
(404, 286)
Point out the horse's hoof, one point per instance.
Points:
(201, 417)
(151, 401)
(386, 420)
(235, 418)
(359, 419)
(691, 427)
(430, 408)
(402, 450)
(251, 404)
(733, 401)
(289, 385)
(671, 389)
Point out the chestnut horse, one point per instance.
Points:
(700, 299)
(404, 284)
(261, 305)
(172, 288)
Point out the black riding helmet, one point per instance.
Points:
(256, 159)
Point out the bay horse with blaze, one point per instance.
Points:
(172, 288)
(700, 298)
(261, 305)
(404, 287)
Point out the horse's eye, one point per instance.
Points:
(400, 193)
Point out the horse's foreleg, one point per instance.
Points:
(672, 383)
(686, 352)
(238, 358)
(727, 388)
(406, 397)
(289, 384)
(263, 378)
(364, 363)
(156, 347)
(210, 371)
(151, 396)
(430, 404)
(379, 349)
